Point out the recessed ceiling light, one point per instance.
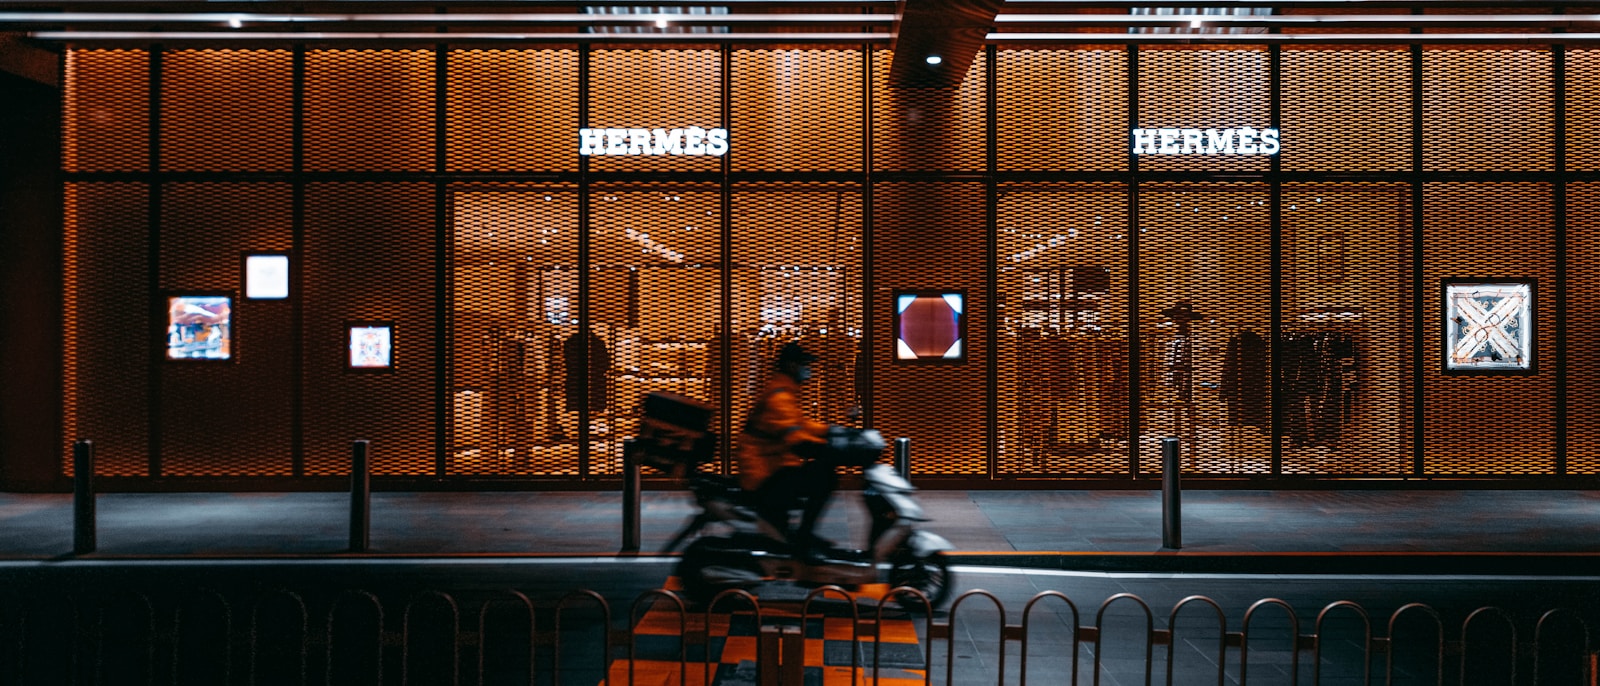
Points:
(934, 60)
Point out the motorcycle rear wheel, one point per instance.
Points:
(929, 574)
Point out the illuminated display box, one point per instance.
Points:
(1488, 326)
(930, 326)
(370, 346)
(199, 326)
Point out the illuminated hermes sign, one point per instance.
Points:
(1243, 140)
(692, 141)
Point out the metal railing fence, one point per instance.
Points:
(476, 638)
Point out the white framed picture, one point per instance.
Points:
(1489, 326)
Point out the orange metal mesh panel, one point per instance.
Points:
(106, 117)
(651, 89)
(1583, 109)
(1488, 424)
(1583, 334)
(1063, 109)
(797, 277)
(512, 110)
(928, 129)
(369, 255)
(1487, 110)
(797, 110)
(1343, 288)
(1346, 110)
(108, 331)
(1196, 88)
(655, 302)
(227, 110)
(1063, 373)
(369, 110)
(931, 236)
(233, 419)
(513, 299)
(1205, 259)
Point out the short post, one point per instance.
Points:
(1171, 495)
(360, 497)
(83, 497)
(902, 457)
(769, 643)
(630, 497)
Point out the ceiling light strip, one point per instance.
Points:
(313, 37)
(432, 19)
(1294, 20)
(1259, 38)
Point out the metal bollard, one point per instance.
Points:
(630, 497)
(902, 457)
(83, 518)
(360, 497)
(1171, 495)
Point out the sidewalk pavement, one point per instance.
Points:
(1388, 531)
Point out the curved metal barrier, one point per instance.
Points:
(113, 637)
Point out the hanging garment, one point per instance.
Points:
(1245, 385)
(577, 380)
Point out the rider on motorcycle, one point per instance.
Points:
(775, 443)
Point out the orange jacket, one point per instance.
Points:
(774, 427)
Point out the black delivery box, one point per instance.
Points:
(675, 432)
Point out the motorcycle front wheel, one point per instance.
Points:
(929, 574)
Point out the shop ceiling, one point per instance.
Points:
(935, 41)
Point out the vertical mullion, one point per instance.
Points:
(1275, 204)
(441, 266)
(1559, 66)
(1417, 295)
(583, 256)
(725, 342)
(991, 259)
(868, 297)
(1134, 367)
(153, 260)
(297, 314)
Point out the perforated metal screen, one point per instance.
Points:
(1582, 108)
(206, 229)
(928, 129)
(1472, 97)
(649, 89)
(1346, 109)
(932, 237)
(655, 304)
(1062, 270)
(1346, 342)
(513, 299)
(369, 110)
(1062, 109)
(797, 276)
(799, 110)
(106, 117)
(1488, 424)
(369, 255)
(512, 110)
(1583, 334)
(1213, 88)
(1204, 290)
(693, 276)
(227, 110)
(108, 324)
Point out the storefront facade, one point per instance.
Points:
(1127, 258)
